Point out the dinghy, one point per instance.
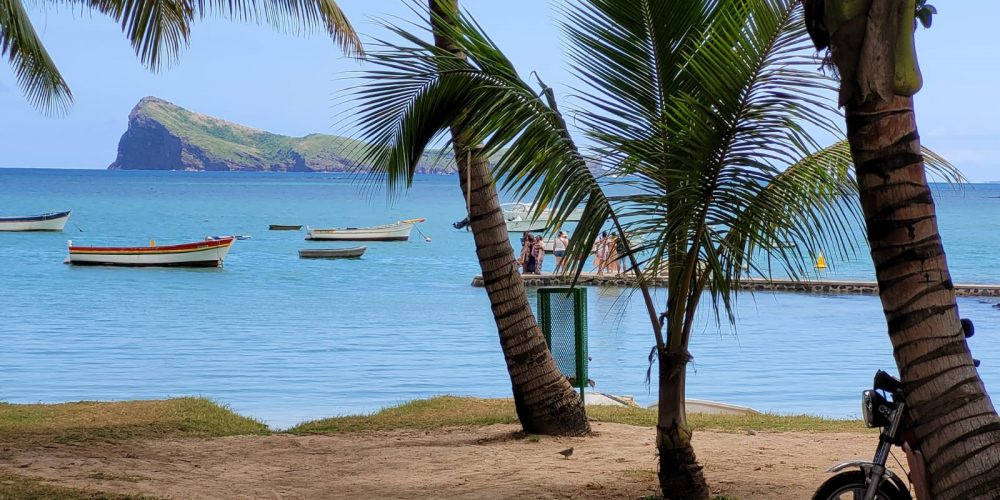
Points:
(52, 221)
(332, 253)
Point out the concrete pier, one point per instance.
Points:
(755, 284)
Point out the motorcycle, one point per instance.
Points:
(883, 406)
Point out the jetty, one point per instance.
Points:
(753, 284)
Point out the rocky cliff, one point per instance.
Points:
(163, 136)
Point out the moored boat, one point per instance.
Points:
(332, 253)
(397, 231)
(526, 211)
(208, 253)
(282, 227)
(519, 225)
(52, 221)
(234, 236)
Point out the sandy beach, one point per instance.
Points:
(465, 462)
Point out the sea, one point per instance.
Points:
(285, 340)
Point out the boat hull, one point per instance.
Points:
(279, 227)
(54, 221)
(527, 211)
(201, 254)
(389, 232)
(521, 226)
(332, 253)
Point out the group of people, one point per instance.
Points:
(532, 256)
(609, 254)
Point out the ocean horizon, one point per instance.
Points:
(285, 340)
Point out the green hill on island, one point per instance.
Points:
(164, 136)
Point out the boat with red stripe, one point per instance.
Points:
(207, 253)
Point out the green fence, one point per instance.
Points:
(562, 313)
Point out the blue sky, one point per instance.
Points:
(285, 84)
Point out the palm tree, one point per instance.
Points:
(544, 400)
(693, 102)
(955, 421)
(157, 31)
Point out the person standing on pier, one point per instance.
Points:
(601, 252)
(523, 260)
(539, 253)
(559, 248)
(611, 262)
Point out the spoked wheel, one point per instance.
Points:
(851, 485)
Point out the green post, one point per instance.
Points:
(562, 314)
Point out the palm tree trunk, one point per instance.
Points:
(955, 422)
(680, 473)
(545, 401)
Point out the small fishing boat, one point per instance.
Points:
(280, 227)
(233, 236)
(332, 253)
(52, 221)
(397, 231)
(208, 253)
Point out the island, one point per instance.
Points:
(164, 136)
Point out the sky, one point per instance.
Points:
(256, 76)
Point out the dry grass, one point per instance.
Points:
(451, 411)
(87, 421)
(24, 488)
(433, 413)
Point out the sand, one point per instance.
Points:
(477, 462)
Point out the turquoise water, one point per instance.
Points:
(286, 340)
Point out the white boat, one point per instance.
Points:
(526, 211)
(332, 253)
(397, 231)
(52, 221)
(208, 253)
(519, 225)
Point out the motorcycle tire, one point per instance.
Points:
(846, 484)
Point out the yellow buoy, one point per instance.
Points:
(821, 262)
(152, 243)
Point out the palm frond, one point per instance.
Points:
(36, 73)
(160, 29)
(295, 16)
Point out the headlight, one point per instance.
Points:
(868, 407)
(876, 410)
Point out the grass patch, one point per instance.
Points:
(451, 411)
(88, 421)
(433, 413)
(729, 423)
(24, 488)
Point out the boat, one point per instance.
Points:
(208, 253)
(233, 236)
(332, 253)
(281, 227)
(397, 231)
(526, 211)
(52, 221)
(520, 225)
